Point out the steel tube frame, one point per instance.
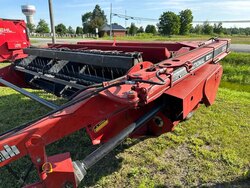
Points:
(28, 94)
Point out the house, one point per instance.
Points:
(117, 30)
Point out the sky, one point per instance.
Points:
(69, 12)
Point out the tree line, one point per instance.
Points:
(61, 29)
(170, 23)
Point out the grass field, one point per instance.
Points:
(149, 37)
(209, 150)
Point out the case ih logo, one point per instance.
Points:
(8, 152)
(5, 30)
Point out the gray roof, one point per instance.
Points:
(114, 27)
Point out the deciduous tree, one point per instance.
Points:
(186, 19)
(93, 20)
(140, 30)
(151, 29)
(86, 18)
(31, 27)
(79, 30)
(61, 29)
(218, 29)
(169, 23)
(207, 28)
(198, 29)
(71, 30)
(133, 29)
(42, 27)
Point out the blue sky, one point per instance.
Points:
(69, 12)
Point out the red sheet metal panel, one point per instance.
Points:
(192, 90)
(212, 85)
(13, 38)
(154, 54)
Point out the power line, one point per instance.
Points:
(126, 17)
(224, 21)
(133, 17)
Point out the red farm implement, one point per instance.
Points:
(114, 91)
(13, 38)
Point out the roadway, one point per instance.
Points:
(240, 48)
(43, 41)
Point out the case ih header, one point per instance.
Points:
(13, 38)
(114, 91)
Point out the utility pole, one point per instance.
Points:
(125, 19)
(51, 14)
(111, 21)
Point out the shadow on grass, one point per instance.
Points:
(16, 109)
(242, 182)
(79, 145)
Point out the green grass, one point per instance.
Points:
(34, 41)
(236, 69)
(235, 39)
(151, 37)
(209, 150)
(240, 39)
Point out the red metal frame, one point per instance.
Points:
(13, 38)
(109, 112)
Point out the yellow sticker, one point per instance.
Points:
(100, 125)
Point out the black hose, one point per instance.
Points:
(70, 103)
(148, 82)
(84, 89)
(158, 76)
(73, 102)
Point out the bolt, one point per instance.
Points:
(131, 94)
(38, 160)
